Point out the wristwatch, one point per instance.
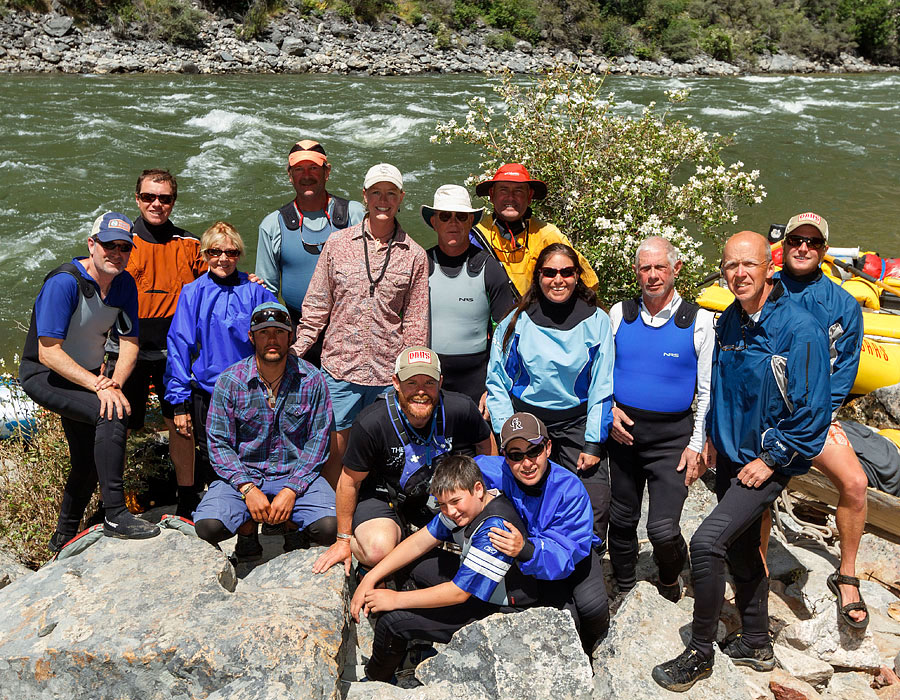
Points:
(768, 459)
(343, 536)
(247, 488)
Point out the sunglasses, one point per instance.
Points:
(796, 241)
(531, 453)
(564, 272)
(113, 245)
(229, 253)
(445, 216)
(148, 197)
(276, 315)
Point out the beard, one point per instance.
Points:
(418, 410)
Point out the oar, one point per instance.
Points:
(859, 273)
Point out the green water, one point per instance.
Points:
(71, 147)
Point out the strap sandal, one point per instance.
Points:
(844, 610)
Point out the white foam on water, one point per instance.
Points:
(761, 78)
(725, 112)
(19, 165)
(375, 131)
(218, 121)
(791, 107)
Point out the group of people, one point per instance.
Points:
(473, 393)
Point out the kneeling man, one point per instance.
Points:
(268, 431)
(394, 446)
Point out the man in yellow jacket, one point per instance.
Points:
(512, 234)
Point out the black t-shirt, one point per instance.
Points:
(375, 447)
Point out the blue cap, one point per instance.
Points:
(112, 226)
(270, 314)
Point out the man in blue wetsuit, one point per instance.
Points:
(559, 543)
(664, 348)
(769, 415)
(291, 238)
(469, 289)
(805, 244)
(79, 304)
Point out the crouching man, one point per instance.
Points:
(268, 431)
(451, 591)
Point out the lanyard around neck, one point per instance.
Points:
(313, 248)
(387, 259)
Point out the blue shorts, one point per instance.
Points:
(348, 399)
(223, 502)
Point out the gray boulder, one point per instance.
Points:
(647, 630)
(785, 687)
(10, 567)
(850, 686)
(531, 654)
(293, 46)
(438, 691)
(58, 26)
(807, 668)
(166, 618)
(890, 399)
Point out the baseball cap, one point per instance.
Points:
(811, 219)
(512, 172)
(270, 314)
(417, 360)
(307, 150)
(525, 426)
(112, 226)
(383, 172)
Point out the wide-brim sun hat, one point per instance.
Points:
(451, 198)
(512, 172)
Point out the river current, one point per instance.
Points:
(71, 147)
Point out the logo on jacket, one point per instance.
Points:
(671, 354)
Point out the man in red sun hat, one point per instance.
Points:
(512, 235)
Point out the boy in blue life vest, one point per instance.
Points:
(452, 591)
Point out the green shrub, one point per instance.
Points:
(615, 38)
(718, 43)
(173, 21)
(612, 179)
(443, 37)
(678, 39)
(464, 15)
(500, 41)
(518, 16)
(256, 19)
(370, 10)
(345, 12)
(645, 52)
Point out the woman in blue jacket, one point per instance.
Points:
(209, 332)
(553, 357)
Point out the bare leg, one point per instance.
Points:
(332, 469)
(181, 450)
(840, 465)
(373, 539)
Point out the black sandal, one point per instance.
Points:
(844, 610)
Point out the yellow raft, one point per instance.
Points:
(879, 359)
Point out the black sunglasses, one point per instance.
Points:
(113, 245)
(271, 315)
(531, 453)
(445, 216)
(796, 241)
(564, 272)
(148, 197)
(230, 252)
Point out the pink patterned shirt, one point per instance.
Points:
(365, 332)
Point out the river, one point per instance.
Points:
(71, 147)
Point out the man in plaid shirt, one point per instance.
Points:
(268, 430)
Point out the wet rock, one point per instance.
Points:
(58, 26)
(490, 653)
(165, 617)
(786, 687)
(647, 630)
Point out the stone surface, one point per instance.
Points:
(441, 690)
(58, 26)
(166, 617)
(803, 667)
(786, 687)
(532, 654)
(10, 568)
(648, 630)
(850, 686)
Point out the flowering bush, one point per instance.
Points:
(613, 180)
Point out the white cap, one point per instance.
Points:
(383, 172)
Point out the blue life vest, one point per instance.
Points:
(418, 454)
(656, 368)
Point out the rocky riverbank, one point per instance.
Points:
(295, 43)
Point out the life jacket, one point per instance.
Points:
(339, 218)
(418, 455)
(460, 327)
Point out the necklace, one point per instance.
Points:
(272, 388)
(387, 258)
